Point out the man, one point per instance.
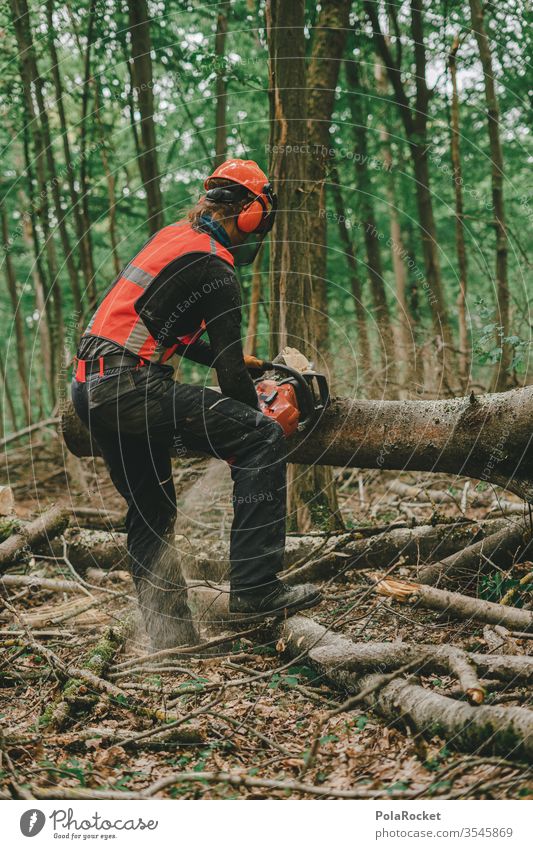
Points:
(178, 287)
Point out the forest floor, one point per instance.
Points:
(247, 711)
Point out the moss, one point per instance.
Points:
(77, 697)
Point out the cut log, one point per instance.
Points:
(486, 437)
(7, 501)
(91, 549)
(456, 604)
(201, 559)
(502, 549)
(36, 583)
(30, 536)
(412, 545)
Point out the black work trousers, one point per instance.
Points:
(139, 418)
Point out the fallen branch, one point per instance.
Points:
(456, 604)
(18, 545)
(37, 583)
(412, 545)
(501, 549)
(352, 666)
(234, 779)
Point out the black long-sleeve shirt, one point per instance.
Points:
(195, 287)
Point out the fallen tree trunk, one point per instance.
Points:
(507, 732)
(487, 437)
(456, 604)
(48, 525)
(412, 545)
(501, 549)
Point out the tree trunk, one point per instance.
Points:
(32, 84)
(250, 342)
(501, 378)
(221, 97)
(6, 392)
(17, 319)
(464, 347)
(312, 497)
(487, 438)
(74, 199)
(371, 233)
(141, 46)
(363, 344)
(329, 39)
(408, 352)
(415, 125)
(85, 160)
(33, 79)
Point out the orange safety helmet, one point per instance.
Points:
(258, 215)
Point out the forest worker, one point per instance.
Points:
(179, 286)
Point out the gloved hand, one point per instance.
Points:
(254, 363)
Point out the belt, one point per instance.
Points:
(84, 368)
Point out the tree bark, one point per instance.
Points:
(221, 97)
(141, 46)
(503, 316)
(17, 319)
(491, 729)
(46, 526)
(250, 341)
(294, 300)
(457, 605)
(487, 437)
(409, 358)
(462, 264)
(44, 149)
(363, 344)
(502, 549)
(329, 39)
(74, 197)
(415, 119)
(371, 233)
(32, 82)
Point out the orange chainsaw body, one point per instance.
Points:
(279, 402)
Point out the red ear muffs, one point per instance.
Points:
(251, 217)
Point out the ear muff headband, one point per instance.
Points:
(255, 215)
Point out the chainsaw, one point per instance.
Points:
(294, 399)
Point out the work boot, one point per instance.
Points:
(274, 600)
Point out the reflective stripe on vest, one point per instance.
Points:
(116, 319)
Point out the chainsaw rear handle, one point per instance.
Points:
(309, 414)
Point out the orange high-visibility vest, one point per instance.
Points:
(116, 318)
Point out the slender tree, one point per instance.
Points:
(18, 323)
(221, 96)
(371, 233)
(503, 311)
(414, 116)
(141, 47)
(462, 264)
(329, 39)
